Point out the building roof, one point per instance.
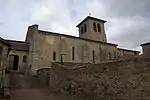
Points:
(128, 50)
(4, 41)
(148, 43)
(18, 45)
(58, 34)
(93, 18)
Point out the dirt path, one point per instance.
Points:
(23, 88)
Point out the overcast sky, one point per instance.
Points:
(128, 21)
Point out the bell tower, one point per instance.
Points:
(92, 28)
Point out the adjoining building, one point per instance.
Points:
(125, 53)
(18, 55)
(42, 47)
(146, 49)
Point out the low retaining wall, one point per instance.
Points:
(121, 80)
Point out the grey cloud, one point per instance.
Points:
(2, 23)
(15, 15)
(134, 12)
(129, 30)
(127, 8)
(132, 38)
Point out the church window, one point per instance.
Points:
(24, 59)
(54, 55)
(93, 53)
(72, 53)
(99, 27)
(85, 28)
(81, 30)
(94, 27)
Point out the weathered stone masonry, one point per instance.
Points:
(122, 80)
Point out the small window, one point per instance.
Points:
(114, 54)
(24, 59)
(94, 27)
(81, 30)
(93, 53)
(72, 53)
(99, 27)
(85, 28)
(54, 55)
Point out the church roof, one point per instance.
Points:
(58, 34)
(18, 45)
(148, 43)
(128, 50)
(93, 18)
(4, 41)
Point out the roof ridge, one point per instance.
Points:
(54, 33)
(16, 41)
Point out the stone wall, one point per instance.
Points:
(121, 80)
(33, 55)
(83, 49)
(3, 64)
(43, 76)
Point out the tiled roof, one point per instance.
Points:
(128, 50)
(93, 18)
(18, 45)
(4, 41)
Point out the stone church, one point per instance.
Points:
(42, 47)
(90, 47)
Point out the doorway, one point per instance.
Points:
(15, 62)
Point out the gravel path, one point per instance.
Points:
(27, 88)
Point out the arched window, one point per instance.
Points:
(85, 28)
(54, 55)
(24, 59)
(94, 27)
(73, 53)
(114, 54)
(99, 27)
